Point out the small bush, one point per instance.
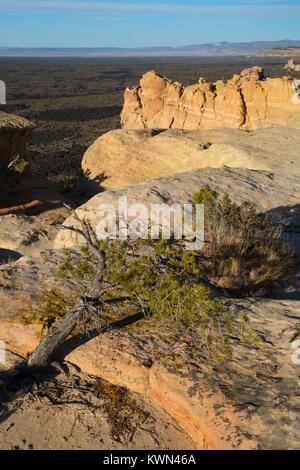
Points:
(245, 252)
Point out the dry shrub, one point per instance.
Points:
(245, 251)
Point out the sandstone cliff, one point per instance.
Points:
(13, 133)
(247, 101)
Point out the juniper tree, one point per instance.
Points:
(157, 279)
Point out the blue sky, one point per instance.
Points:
(138, 23)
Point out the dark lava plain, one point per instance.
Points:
(74, 101)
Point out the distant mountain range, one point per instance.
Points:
(201, 50)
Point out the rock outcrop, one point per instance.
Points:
(13, 133)
(292, 66)
(127, 157)
(247, 101)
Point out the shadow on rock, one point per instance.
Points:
(8, 255)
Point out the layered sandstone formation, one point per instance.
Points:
(126, 157)
(247, 101)
(13, 133)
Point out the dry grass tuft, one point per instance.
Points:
(245, 251)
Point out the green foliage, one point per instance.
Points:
(205, 196)
(223, 211)
(245, 252)
(169, 283)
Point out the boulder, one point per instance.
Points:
(13, 133)
(247, 101)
